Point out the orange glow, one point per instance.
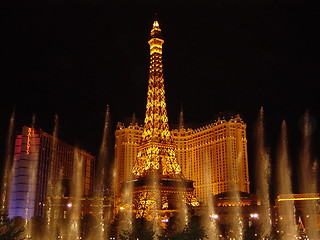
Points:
(299, 199)
(156, 25)
(157, 151)
(28, 141)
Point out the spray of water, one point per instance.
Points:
(7, 171)
(133, 119)
(32, 170)
(53, 188)
(306, 182)
(263, 177)
(308, 179)
(101, 183)
(239, 223)
(126, 216)
(76, 194)
(286, 211)
(183, 215)
(181, 120)
(212, 217)
(31, 173)
(236, 222)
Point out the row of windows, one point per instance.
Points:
(189, 152)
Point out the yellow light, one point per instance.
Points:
(299, 199)
(28, 141)
(214, 216)
(155, 24)
(157, 148)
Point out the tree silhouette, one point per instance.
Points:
(10, 229)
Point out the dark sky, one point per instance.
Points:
(76, 57)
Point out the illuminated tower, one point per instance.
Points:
(214, 156)
(156, 151)
(159, 188)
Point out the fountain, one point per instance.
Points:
(210, 224)
(181, 120)
(308, 179)
(287, 213)
(263, 176)
(288, 221)
(102, 182)
(7, 173)
(76, 194)
(53, 189)
(158, 201)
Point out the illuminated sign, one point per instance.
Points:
(28, 141)
(299, 199)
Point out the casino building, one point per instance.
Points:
(45, 166)
(214, 156)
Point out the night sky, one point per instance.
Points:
(74, 58)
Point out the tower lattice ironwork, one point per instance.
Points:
(159, 189)
(156, 152)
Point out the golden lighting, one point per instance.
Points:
(156, 25)
(155, 28)
(194, 202)
(156, 152)
(28, 141)
(299, 199)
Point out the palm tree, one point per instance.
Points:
(10, 229)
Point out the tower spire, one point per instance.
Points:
(156, 151)
(159, 185)
(155, 31)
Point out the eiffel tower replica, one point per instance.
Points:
(159, 189)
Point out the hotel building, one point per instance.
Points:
(45, 166)
(213, 156)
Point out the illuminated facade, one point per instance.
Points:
(157, 185)
(156, 150)
(41, 160)
(214, 156)
(126, 151)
